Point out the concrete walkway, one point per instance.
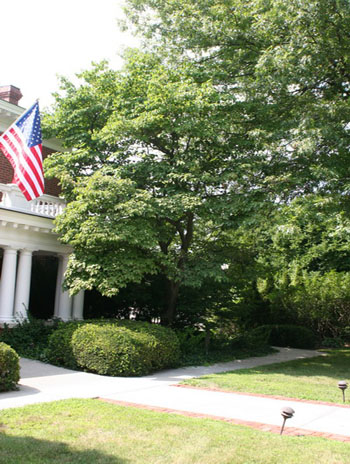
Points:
(42, 382)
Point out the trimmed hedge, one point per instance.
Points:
(287, 335)
(9, 368)
(120, 347)
(162, 342)
(111, 350)
(59, 350)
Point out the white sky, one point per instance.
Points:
(42, 38)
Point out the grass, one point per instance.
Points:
(93, 432)
(311, 379)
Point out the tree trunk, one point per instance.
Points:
(172, 288)
(172, 293)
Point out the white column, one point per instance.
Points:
(58, 285)
(24, 273)
(7, 285)
(65, 301)
(78, 306)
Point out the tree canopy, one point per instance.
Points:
(156, 174)
(230, 111)
(291, 60)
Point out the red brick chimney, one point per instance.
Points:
(10, 93)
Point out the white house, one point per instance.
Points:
(26, 235)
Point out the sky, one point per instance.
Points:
(41, 39)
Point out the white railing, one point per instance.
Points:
(46, 205)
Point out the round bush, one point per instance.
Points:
(287, 335)
(111, 350)
(160, 345)
(162, 342)
(59, 349)
(9, 368)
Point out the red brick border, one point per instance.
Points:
(261, 395)
(290, 431)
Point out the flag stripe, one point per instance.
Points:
(36, 151)
(18, 176)
(23, 189)
(27, 156)
(27, 150)
(21, 162)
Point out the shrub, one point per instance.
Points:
(9, 368)
(124, 347)
(224, 344)
(59, 349)
(161, 341)
(345, 334)
(332, 342)
(111, 350)
(229, 336)
(287, 335)
(257, 339)
(29, 337)
(192, 341)
(314, 299)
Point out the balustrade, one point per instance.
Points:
(46, 205)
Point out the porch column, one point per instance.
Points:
(24, 273)
(58, 285)
(78, 306)
(65, 301)
(7, 285)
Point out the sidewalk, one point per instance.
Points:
(42, 382)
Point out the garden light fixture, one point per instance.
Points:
(287, 413)
(343, 385)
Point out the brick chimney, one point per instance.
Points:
(10, 93)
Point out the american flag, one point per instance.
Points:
(22, 146)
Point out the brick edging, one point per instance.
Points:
(262, 395)
(289, 431)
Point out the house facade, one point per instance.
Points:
(28, 242)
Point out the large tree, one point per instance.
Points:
(161, 165)
(235, 105)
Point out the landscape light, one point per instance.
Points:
(287, 413)
(343, 385)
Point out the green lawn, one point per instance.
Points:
(312, 379)
(93, 432)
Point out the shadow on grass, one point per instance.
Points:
(16, 450)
